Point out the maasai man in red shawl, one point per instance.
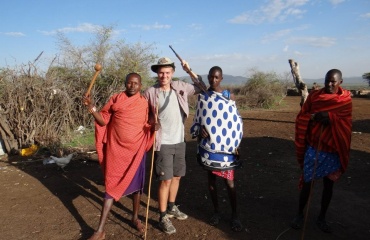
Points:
(122, 137)
(219, 147)
(323, 138)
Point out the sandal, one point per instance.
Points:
(215, 219)
(236, 225)
(321, 223)
(138, 225)
(98, 236)
(297, 222)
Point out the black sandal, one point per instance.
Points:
(321, 223)
(297, 222)
(215, 219)
(236, 225)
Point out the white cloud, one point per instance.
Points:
(366, 15)
(273, 10)
(14, 34)
(155, 26)
(276, 35)
(336, 2)
(247, 18)
(286, 48)
(313, 41)
(282, 33)
(224, 57)
(298, 53)
(294, 12)
(196, 26)
(82, 28)
(272, 57)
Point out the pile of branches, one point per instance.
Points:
(36, 109)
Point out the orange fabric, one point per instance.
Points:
(336, 137)
(122, 143)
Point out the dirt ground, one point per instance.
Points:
(40, 202)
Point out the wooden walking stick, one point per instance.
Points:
(151, 173)
(312, 183)
(97, 71)
(193, 76)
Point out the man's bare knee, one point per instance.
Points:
(166, 183)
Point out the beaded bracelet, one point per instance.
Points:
(92, 110)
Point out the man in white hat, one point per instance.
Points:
(169, 106)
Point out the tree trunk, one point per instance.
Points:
(299, 83)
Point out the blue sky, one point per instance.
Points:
(236, 35)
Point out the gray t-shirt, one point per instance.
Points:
(170, 118)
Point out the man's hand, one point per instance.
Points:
(157, 126)
(185, 66)
(322, 117)
(86, 99)
(204, 132)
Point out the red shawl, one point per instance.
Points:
(336, 137)
(122, 143)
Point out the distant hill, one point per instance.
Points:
(347, 81)
(228, 79)
(239, 80)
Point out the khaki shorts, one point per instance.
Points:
(170, 161)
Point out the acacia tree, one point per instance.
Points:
(366, 77)
(264, 89)
(116, 57)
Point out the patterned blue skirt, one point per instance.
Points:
(327, 163)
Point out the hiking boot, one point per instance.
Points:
(176, 213)
(166, 225)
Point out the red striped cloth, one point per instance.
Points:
(228, 174)
(122, 143)
(336, 137)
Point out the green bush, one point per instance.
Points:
(263, 89)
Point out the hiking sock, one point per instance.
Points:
(170, 205)
(161, 215)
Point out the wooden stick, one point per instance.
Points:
(312, 182)
(97, 70)
(150, 183)
(151, 173)
(193, 76)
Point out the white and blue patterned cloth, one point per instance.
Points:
(220, 117)
(326, 164)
